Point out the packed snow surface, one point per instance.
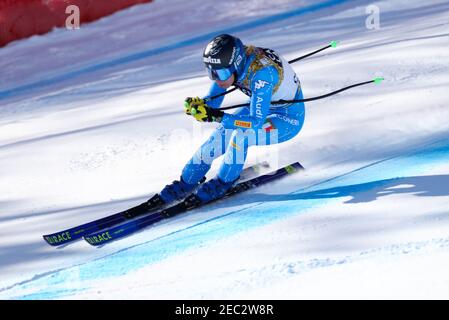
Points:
(92, 122)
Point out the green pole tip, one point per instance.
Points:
(334, 44)
(378, 80)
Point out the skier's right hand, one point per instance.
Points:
(194, 102)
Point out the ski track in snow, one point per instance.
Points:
(396, 171)
(400, 151)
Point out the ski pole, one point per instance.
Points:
(332, 44)
(376, 81)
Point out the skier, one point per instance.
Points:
(264, 76)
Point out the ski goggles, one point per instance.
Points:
(219, 74)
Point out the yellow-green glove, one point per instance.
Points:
(192, 102)
(198, 108)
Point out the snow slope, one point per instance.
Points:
(92, 122)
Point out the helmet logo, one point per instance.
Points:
(211, 60)
(232, 55)
(215, 46)
(238, 60)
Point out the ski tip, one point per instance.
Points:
(58, 239)
(378, 80)
(334, 43)
(294, 167)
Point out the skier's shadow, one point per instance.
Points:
(422, 186)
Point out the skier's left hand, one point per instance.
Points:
(198, 108)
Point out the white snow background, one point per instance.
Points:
(92, 122)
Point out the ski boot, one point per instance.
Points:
(178, 190)
(214, 189)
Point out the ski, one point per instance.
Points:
(155, 203)
(75, 233)
(106, 235)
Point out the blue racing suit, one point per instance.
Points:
(267, 77)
